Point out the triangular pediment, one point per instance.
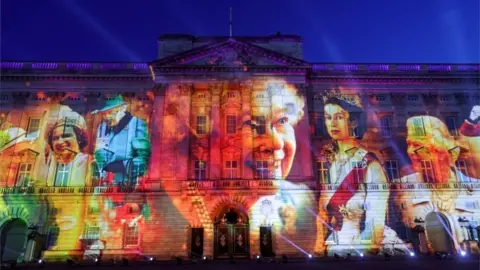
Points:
(230, 53)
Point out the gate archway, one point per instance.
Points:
(231, 234)
(439, 232)
(13, 236)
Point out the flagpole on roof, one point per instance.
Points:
(231, 22)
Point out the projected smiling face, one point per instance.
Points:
(274, 142)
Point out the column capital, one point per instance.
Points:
(55, 97)
(215, 88)
(159, 89)
(246, 88)
(20, 96)
(185, 89)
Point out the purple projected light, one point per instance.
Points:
(320, 67)
(408, 67)
(378, 67)
(346, 67)
(468, 67)
(112, 66)
(439, 68)
(140, 66)
(44, 65)
(79, 65)
(12, 65)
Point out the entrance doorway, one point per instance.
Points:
(439, 232)
(13, 237)
(231, 235)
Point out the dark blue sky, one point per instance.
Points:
(442, 31)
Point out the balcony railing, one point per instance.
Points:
(227, 184)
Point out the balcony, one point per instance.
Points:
(251, 184)
(229, 184)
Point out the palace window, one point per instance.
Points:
(451, 125)
(462, 170)
(367, 234)
(231, 124)
(358, 176)
(290, 108)
(386, 126)
(320, 129)
(412, 98)
(200, 170)
(52, 236)
(201, 124)
(419, 129)
(391, 167)
(131, 235)
(444, 98)
(62, 178)
(260, 123)
(33, 127)
(427, 171)
(323, 175)
(91, 234)
(24, 174)
(231, 169)
(352, 126)
(261, 169)
(402, 230)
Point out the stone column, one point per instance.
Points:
(183, 130)
(247, 133)
(156, 127)
(215, 132)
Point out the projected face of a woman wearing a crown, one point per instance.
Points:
(346, 212)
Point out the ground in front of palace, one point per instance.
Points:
(424, 263)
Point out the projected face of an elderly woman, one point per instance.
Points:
(274, 142)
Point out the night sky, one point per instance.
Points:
(354, 31)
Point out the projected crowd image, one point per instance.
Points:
(238, 170)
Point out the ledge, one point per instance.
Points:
(252, 184)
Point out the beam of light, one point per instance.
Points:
(83, 16)
(447, 228)
(294, 245)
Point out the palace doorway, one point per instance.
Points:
(13, 237)
(231, 234)
(439, 232)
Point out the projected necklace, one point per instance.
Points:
(340, 162)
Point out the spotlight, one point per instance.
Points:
(40, 261)
(204, 258)
(97, 261)
(361, 254)
(258, 256)
(463, 253)
(258, 259)
(150, 259)
(412, 254)
(309, 256)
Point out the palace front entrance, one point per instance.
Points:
(231, 235)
